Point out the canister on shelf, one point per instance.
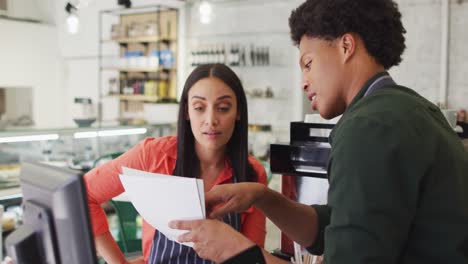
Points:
(166, 58)
(151, 28)
(163, 89)
(135, 30)
(118, 31)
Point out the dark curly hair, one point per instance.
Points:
(377, 22)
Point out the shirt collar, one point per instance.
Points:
(366, 87)
(226, 175)
(358, 97)
(170, 149)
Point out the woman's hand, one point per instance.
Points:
(235, 197)
(213, 239)
(139, 260)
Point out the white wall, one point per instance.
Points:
(38, 10)
(458, 58)
(29, 58)
(420, 69)
(261, 23)
(19, 102)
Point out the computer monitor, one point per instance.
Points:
(56, 227)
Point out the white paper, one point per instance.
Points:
(160, 198)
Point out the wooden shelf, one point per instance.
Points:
(138, 97)
(132, 70)
(159, 69)
(141, 98)
(145, 39)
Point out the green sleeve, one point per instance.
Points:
(323, 214)
(373, 192)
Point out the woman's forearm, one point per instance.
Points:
(108, 249)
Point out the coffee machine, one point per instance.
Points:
(303, 165)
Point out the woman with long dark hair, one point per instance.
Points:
(211, 144)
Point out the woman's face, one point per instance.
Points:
(212, 111)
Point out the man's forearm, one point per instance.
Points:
(298, 221)
(254, 254)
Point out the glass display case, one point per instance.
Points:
(76, 148)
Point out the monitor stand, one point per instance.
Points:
(30, 242)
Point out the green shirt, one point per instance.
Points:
(398, 183)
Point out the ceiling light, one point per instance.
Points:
(73, 22)
(206, 12)
(29, 138)
(121, 132)
(109, 133)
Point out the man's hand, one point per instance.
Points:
(213, 239)
(236, 197)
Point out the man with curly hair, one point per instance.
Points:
(398, 173)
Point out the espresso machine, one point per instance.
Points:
(303, 165)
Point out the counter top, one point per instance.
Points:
(10, 193)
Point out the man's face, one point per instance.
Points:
(323, 72)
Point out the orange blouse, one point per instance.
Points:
(158, 155)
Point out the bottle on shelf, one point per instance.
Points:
(253, 61)
(242, 57)
(232, 54)
(236, 55)
(219, 54)
(211, 54)
(223, 54)
(267, 56)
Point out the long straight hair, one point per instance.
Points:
(188, 164)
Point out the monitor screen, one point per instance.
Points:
(56, 227)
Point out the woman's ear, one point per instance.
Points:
(238, 116)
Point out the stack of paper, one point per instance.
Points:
(160, 198)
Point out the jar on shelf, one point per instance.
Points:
(151, 29)
(166, 58)
(261, 137)
(118, 31)
(150, 87)
(135, 30)
(163, 89)
(153, 61)
(113, 86)
(135, 59)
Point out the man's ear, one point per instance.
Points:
(347, 46)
